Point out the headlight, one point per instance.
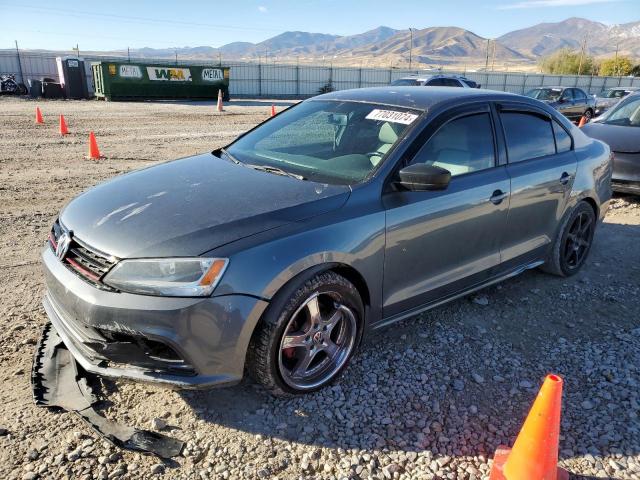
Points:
(173, 277)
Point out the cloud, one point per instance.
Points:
(262, 9)
(551, 3)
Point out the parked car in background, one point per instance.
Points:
(620, 129)
(344, 213)
(573, 103)
(435, 81)
(609, 97)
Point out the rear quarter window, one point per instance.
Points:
(527, 135)
(563, 140)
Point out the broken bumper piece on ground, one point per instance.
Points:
(59, 383)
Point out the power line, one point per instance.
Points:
(136, 19)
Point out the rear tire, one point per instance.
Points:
(307, 335)
(573, 242)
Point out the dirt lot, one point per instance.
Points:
(429, 398)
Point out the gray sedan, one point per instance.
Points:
(345, 213)
(620, 129)
(574, 103)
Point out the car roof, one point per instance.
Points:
(412, 97)
(427, 76)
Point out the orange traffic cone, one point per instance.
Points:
(63, 126)
(94, 152)
(273, 110)
(583, 120)
(219, 108)
(39, 118)
(535, 453)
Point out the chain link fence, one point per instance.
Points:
(298, 81)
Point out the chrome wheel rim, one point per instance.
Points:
(317, 341)
(578, 241)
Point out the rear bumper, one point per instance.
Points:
(626, 187)
(180, 342)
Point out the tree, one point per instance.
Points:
(568, 62)
(612, 67)
(635, 71)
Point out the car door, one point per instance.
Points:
(441, 242)
(542, 166)
(565, 105)
(579, 102)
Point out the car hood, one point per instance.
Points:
(620, 138)
(187, 207)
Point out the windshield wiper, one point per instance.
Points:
(231, 157)
(276, 170)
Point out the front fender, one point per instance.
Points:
(261, 265)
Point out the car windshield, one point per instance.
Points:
(325, 141)
(405, 82)
(545, 93)
(612, 93)
(626, 113)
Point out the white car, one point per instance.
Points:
(608, 97)
(435, 81)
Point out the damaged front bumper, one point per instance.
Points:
(58, 383)
(179, 342)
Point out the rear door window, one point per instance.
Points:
(528, 135)
(436, 82)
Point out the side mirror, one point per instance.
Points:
(562, 100)
(420, 177)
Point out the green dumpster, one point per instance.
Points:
(120, 81)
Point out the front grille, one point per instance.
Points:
(86, 262)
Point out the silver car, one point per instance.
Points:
(348, 212)
(608, 97)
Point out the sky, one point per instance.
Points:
(118, 24)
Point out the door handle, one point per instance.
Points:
(498, 196)
(564, 178)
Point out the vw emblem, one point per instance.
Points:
(63, 244)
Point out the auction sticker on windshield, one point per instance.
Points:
(392, 116)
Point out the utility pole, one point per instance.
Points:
(19, 63)
(128, 55)
(493, 57)
(582, 50)
(615, 71)
(410, 45)
(486, 62)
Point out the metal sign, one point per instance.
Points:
(212, 74)
(169, 74)
(130, 71)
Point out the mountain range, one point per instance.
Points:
(431, 46)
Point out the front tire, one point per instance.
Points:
(307, 336)
(573, 242)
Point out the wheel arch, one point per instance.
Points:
(592, 203)
(287, 288)
(344, 269)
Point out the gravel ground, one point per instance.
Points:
(429, 398)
